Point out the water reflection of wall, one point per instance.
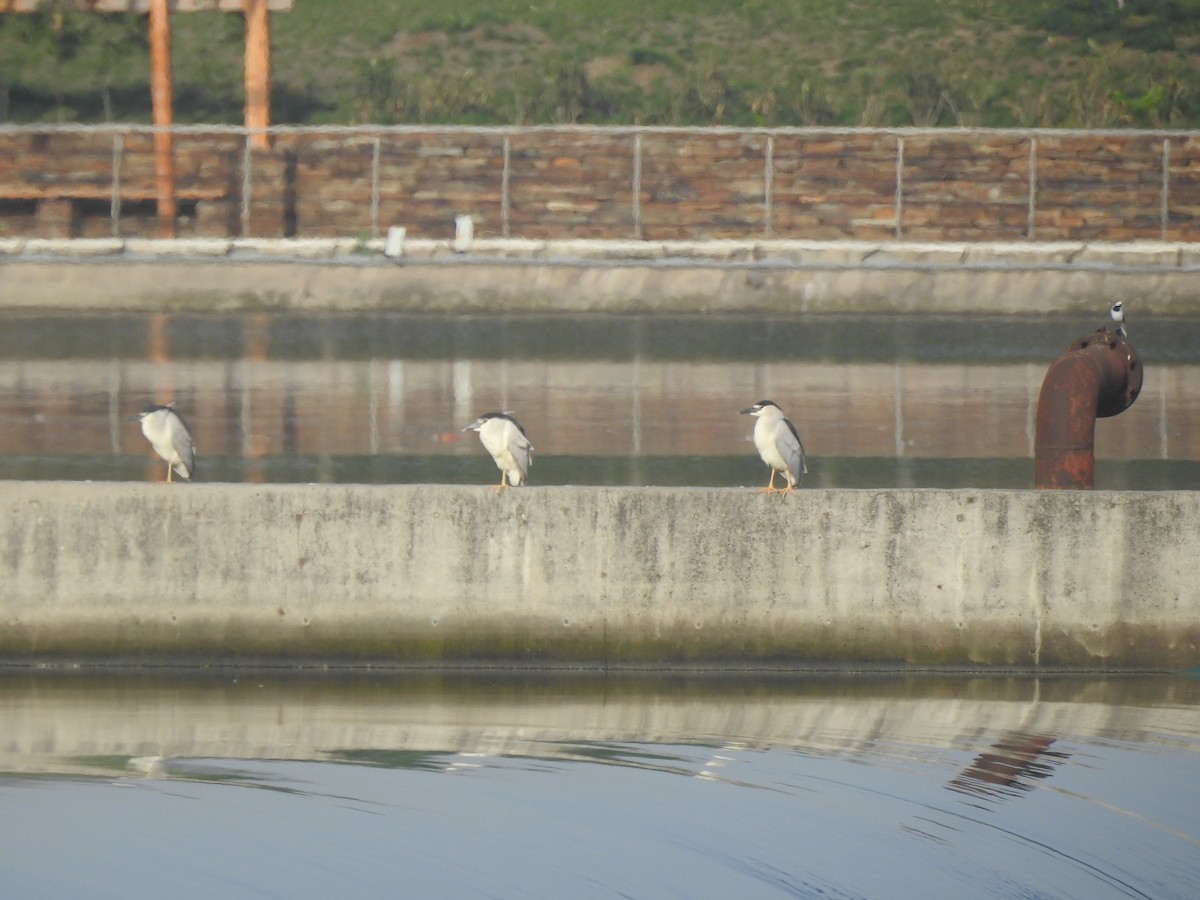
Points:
(259, 407)
(72, 728)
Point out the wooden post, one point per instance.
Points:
(160, 95)
(258, 71)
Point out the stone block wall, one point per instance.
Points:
(615, 183)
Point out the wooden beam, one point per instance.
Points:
(258, 71)
(160, 95)
(138, 6)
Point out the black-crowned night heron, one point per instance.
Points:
(505, 439)
(1118, 315)
(778, 444)
(170, 437)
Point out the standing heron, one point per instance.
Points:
(168, 433)
(1118, 315)
(504, 438)
(778, 444)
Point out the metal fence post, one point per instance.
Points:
(115, 209)
(504, 183)
(899, 202)
(1031, 214)
(375, 187)
(1165, 204)
(247, 184)
(768, 186)
(637, 185)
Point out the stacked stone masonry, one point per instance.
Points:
(611, 183)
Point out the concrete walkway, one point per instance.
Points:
(428, 575)
(522, 276)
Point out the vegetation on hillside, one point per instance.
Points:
(1055, 63)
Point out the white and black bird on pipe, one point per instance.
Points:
(504, 438)
(778, 444)
(171, 438)
(1117, 311)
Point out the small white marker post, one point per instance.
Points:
(464, 233)
(394, 245)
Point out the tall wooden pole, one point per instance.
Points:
(258, 71)
(160, 94)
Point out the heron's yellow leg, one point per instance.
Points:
(770, 488)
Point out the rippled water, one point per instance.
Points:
(258, 784)
(880, 401)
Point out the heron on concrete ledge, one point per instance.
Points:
(168, 433)
(505, 439)
(778, 444)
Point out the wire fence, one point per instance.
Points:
(1159, 172)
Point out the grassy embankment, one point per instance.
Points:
(1054, 63)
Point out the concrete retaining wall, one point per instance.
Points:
(601, 276)
(439, 575)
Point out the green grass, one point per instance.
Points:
(1076, 63)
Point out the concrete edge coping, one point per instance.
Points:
(1157, 255)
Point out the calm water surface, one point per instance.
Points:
(259, 784)
(880, 401)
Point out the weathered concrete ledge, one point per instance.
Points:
(616, 577)
(526, 276)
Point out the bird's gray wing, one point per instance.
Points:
(522, 452)
(181, 440)
(801, 463)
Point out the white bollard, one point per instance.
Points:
(394, 245)
(464, 233)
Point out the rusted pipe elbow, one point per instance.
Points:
(1098, 375)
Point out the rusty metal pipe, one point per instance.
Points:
(1098, 375)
